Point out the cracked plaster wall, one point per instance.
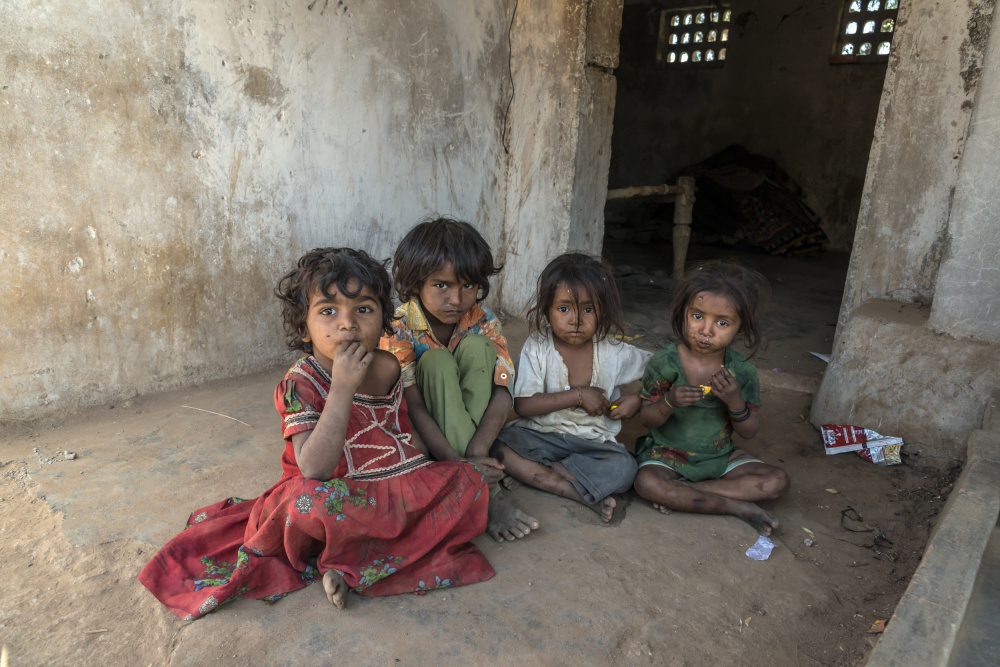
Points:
(561, 119)
(166, 161)
(917, 344)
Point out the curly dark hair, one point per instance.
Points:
(746, 288)
(322, 268)
(591, 274)
(432, 244)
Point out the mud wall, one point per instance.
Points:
(916, 348)
(777, 95)
(564, 54)
(165, 162)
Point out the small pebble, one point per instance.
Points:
(529, 583)
(70, 455)
(808, 542)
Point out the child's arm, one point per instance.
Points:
(590, 399)
(728, 391)
(656, 413)
(426, 428)
(317, 452)
(416, 441)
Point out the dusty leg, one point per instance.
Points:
(750, 482)
(336, 588)
(549, 479)
(610, 508)
(661, 485)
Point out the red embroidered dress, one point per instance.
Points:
(391, 520)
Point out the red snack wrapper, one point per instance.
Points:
(871, 446)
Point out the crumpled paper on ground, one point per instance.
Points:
(761, 549)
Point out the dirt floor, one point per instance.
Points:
(663, 590)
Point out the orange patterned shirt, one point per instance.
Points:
(412, 336)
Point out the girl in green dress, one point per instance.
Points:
(696, 393)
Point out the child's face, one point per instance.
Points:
(573, 315)
(445, 297)
(338, 319)
(711, 323)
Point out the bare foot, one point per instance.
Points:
(509, 483)
(663, 510)
(611, 509)
(336, 588)
(763, 521)
(505, 522)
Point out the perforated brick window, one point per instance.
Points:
(694, 37)
(866, 31)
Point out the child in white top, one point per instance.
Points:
(567, 391)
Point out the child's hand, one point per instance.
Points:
(491, 468)
(725, 388)
(594, 401)
(625, 408)
(682, 396)
(350, 365)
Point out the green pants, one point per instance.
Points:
(457, 387)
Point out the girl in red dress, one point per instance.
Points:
(359, 504)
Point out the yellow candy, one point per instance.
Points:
(706, 388)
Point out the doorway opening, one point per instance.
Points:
(776, 134)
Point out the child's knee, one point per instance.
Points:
(436, 363)
(778, 483)
(645, 483)
(626, 470)
(477, 346)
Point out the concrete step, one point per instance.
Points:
(960, 560)
(978, 640)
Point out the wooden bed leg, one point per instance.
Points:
(683, 205)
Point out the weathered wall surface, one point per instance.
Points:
(920, 134)
(930, 195)
(967, 298)
(165, 162)
(560, 121)
(777, 95)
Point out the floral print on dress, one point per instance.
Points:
(378, 570)
(438, 583)
(334, 493)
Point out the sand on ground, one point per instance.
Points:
(663, 590)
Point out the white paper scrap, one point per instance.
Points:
(761, 549)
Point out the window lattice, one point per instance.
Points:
(694, 36)
(866, 30)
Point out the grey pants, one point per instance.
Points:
(602, 468)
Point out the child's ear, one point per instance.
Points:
(304, 334)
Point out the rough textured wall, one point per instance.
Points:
(164, 163)
(777, 95)
(907, 369)
(560, 133)
(967, 295)
(919, 137)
